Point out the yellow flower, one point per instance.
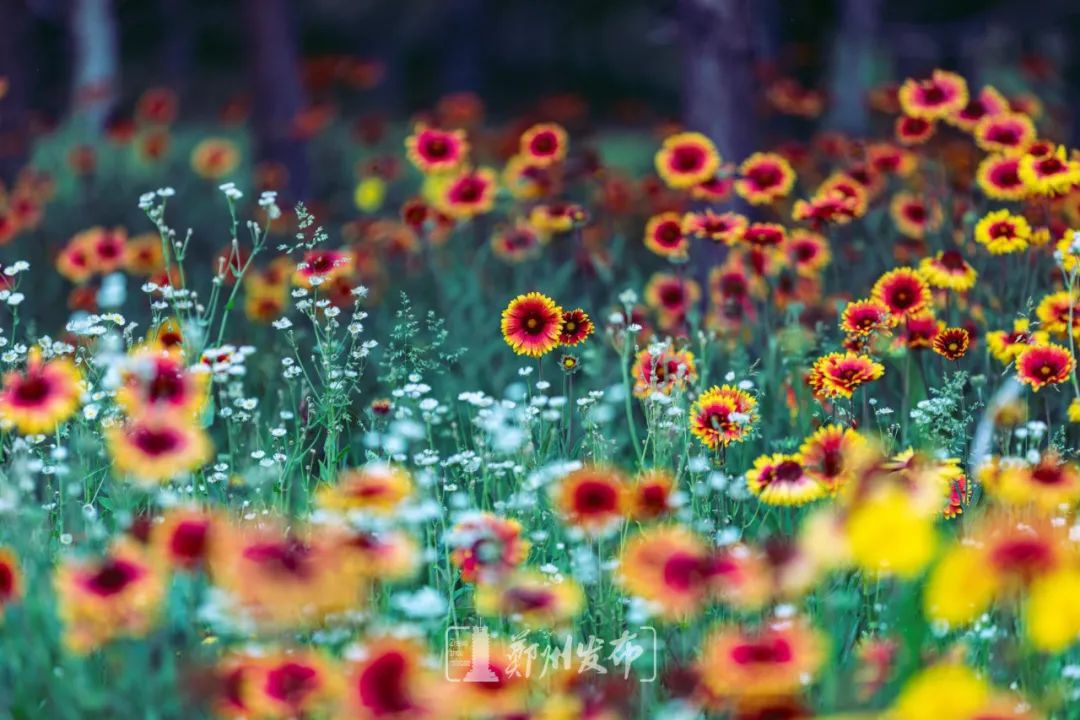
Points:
(959, 588)
(1002, 232)
(948, 691)
(370, 194)
(889, 534)
(1053, 615)
(1074, 410)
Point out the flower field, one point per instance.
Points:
(527, 418)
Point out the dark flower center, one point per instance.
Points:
(382, 686)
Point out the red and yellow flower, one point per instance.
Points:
(723, 415)
(42, 397)
(543, 144)
(592, 498)
(998, 176)
(952, 343)
(863, 318)
(903, 291)
(1005, 132)
(1001, 232)
(375, 488)
(913, 216)
(11, 582)
(724, 227)
(776, 660)
(157, 446)
(781, 479)
(576, 327)
(840, 374)
(1049, 175)
(118, 595)
(487, 547)
(665, 371)
(532, 599)
(664, 236)
(433, 151)
(532, 324)
(1046, 364)
(948, 270)
(469, 193)
(938, 97)
(214, 158)
(671, 568)
(764, 178)
(687, 159)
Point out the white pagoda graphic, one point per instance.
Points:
(480, 670)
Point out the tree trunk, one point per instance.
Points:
(853, 59)
(279, 97)
(14, 96)
(719, 90)
(96, 62)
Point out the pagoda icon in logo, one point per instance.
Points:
(480, 668)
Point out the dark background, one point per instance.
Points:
(699, 61)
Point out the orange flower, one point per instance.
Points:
(186, 538)
(823, 455)
(775, 660)
(593, 498)
(913, 216)
(156, 381)
(671, 568)
(214, 158)
(156, 447)
(988, 102)
(41, 398)
(288, 579)
(117, 596)
(377, 488)
(651, 494)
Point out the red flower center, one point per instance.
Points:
(952, 260)
(545, 143)
(687, 158)
(682, 571)
(382, 687)
(156, 441)
(7, 581)
(32, 390)
(291, 557)
(189, 540)
(770, 652)
(1025, 557)
(593, 497)
(113, 577)
(291, 683)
